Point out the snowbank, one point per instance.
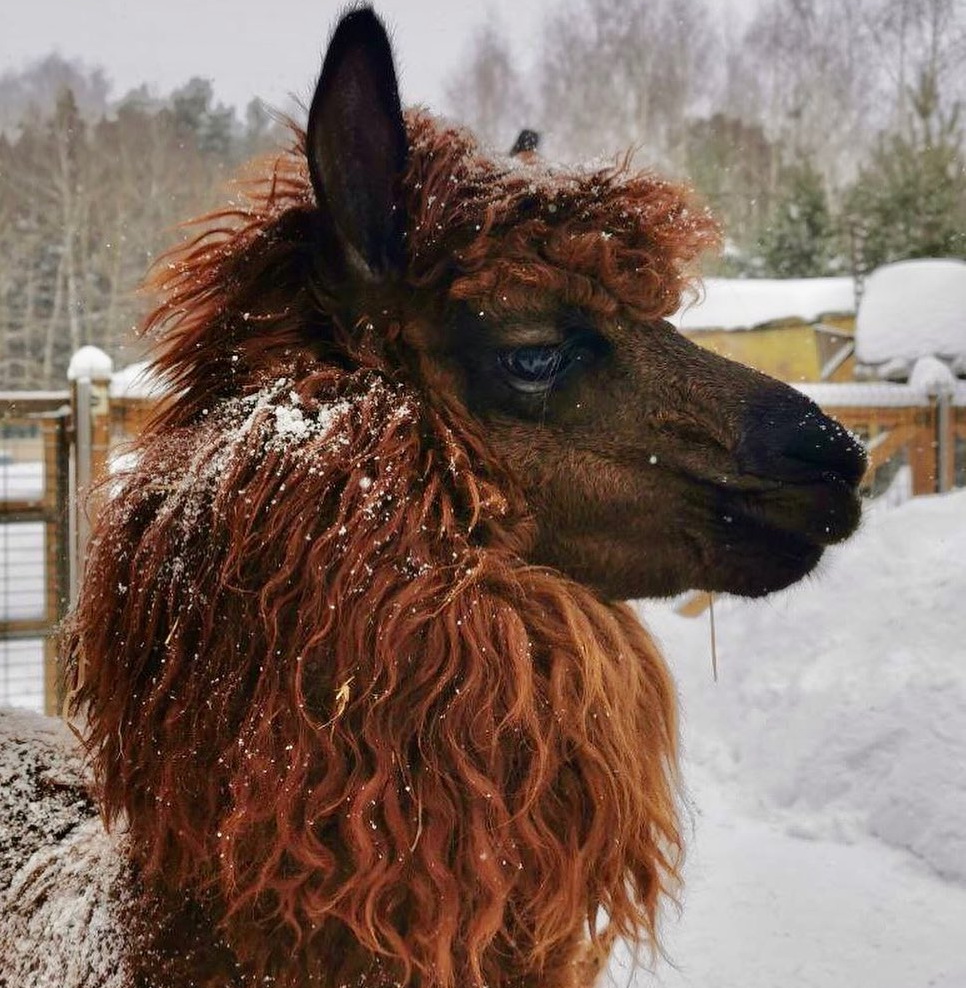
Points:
(909, 310)
(762, 909)
(841, 709)
(738, 303)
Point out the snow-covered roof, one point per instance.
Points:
(863, 395)
(741, 303)
(884, 394)
(913, 309)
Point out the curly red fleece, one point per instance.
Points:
(333, 702)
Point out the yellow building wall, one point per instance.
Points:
(786, 352)
(789, 349)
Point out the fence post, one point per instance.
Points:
(922, 450)
(55, 540)
(89, 375)
(945, 442)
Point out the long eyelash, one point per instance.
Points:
(545, 405)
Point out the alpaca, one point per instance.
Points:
(360, 698)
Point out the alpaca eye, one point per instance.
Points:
(533, 369)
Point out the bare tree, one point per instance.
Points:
(38, 87)
(614, 73)
(808, 68)
(488, 94)
(85, 206)
(919, 51)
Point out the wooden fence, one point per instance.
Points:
(34, 582)
(56, 446)
(902, 427)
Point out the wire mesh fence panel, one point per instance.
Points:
(22, 674)
(22, 571)
(32, 545)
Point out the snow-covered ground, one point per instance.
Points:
(827, 771)
(765, 909)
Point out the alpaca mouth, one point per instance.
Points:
(821, 512)
(775, 533)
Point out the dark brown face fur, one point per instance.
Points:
(651, 465)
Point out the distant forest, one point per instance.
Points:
(91, 192)
(828, 137)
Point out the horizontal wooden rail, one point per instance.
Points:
(24, 628)
(33, 510)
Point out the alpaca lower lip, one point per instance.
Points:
(783, 558)
(821, 513)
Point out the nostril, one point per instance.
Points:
(794, 440)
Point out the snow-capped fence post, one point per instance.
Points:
(89, 375)
(934, 379)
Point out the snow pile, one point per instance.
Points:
(137, 381)
(739, 303)
(930, 376)
(763, 909)
(837, 729)
(909, 310)
(90, 362)
(841, 709)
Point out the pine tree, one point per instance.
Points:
(799, 241)
(731, 164)
(910, 200)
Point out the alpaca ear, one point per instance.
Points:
(356, 145)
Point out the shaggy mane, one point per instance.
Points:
(325, 691)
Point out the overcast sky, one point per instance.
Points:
(248, 48)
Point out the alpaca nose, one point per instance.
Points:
(793, 440)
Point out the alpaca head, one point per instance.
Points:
(352, 663)
(649, 465)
